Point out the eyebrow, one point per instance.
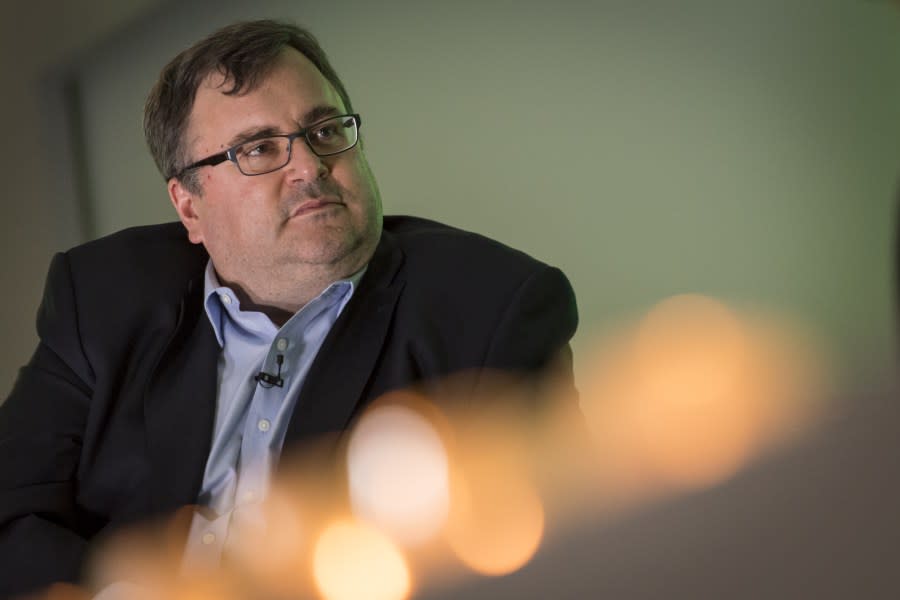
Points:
(318, 113)
(313, 115)
(253, 133)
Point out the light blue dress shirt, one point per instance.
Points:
(251, 417)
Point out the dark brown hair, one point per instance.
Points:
(244, 53)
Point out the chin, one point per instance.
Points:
(332, 241)
(327, 250)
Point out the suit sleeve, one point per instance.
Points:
(41, 430)
(533, 334)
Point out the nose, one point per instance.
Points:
(304, 164)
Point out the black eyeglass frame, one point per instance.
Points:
(231, 153)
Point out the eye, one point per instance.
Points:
(259, 148)
(325, 132)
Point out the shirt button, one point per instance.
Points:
(281, 344)
(263, 425)
(249, 497)
(226, 298)
(208, 538)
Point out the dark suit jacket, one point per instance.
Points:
(111, 420)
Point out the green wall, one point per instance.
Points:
(747, 150)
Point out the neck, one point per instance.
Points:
(280, 296)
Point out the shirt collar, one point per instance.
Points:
(222, 303)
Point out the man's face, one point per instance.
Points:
(315, 213)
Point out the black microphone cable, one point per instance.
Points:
(268, 380)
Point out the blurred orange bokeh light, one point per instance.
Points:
(352, 560)
(398, 474)
(689, 395)
(496, 521)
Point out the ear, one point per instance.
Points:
(185, 203)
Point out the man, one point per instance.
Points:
(177, 361)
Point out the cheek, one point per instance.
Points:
(226, 218)
(355, 178)
(235, 224)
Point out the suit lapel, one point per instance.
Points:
(179, 406)
(336, 382)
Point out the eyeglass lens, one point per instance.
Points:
(331, 136)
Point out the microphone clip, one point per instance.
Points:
(267, 380)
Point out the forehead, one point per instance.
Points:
(291, 88)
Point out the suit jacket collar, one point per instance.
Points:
(337, 382)
(179, 405)
(180, 399)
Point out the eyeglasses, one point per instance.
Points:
(272, 152)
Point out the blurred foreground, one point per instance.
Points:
(705, 463)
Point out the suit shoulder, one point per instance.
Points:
(435, 246)
(157, 258)
(137, 242)
(151, 249)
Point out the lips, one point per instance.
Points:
(313, 205)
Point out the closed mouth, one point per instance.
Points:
(314, 205)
